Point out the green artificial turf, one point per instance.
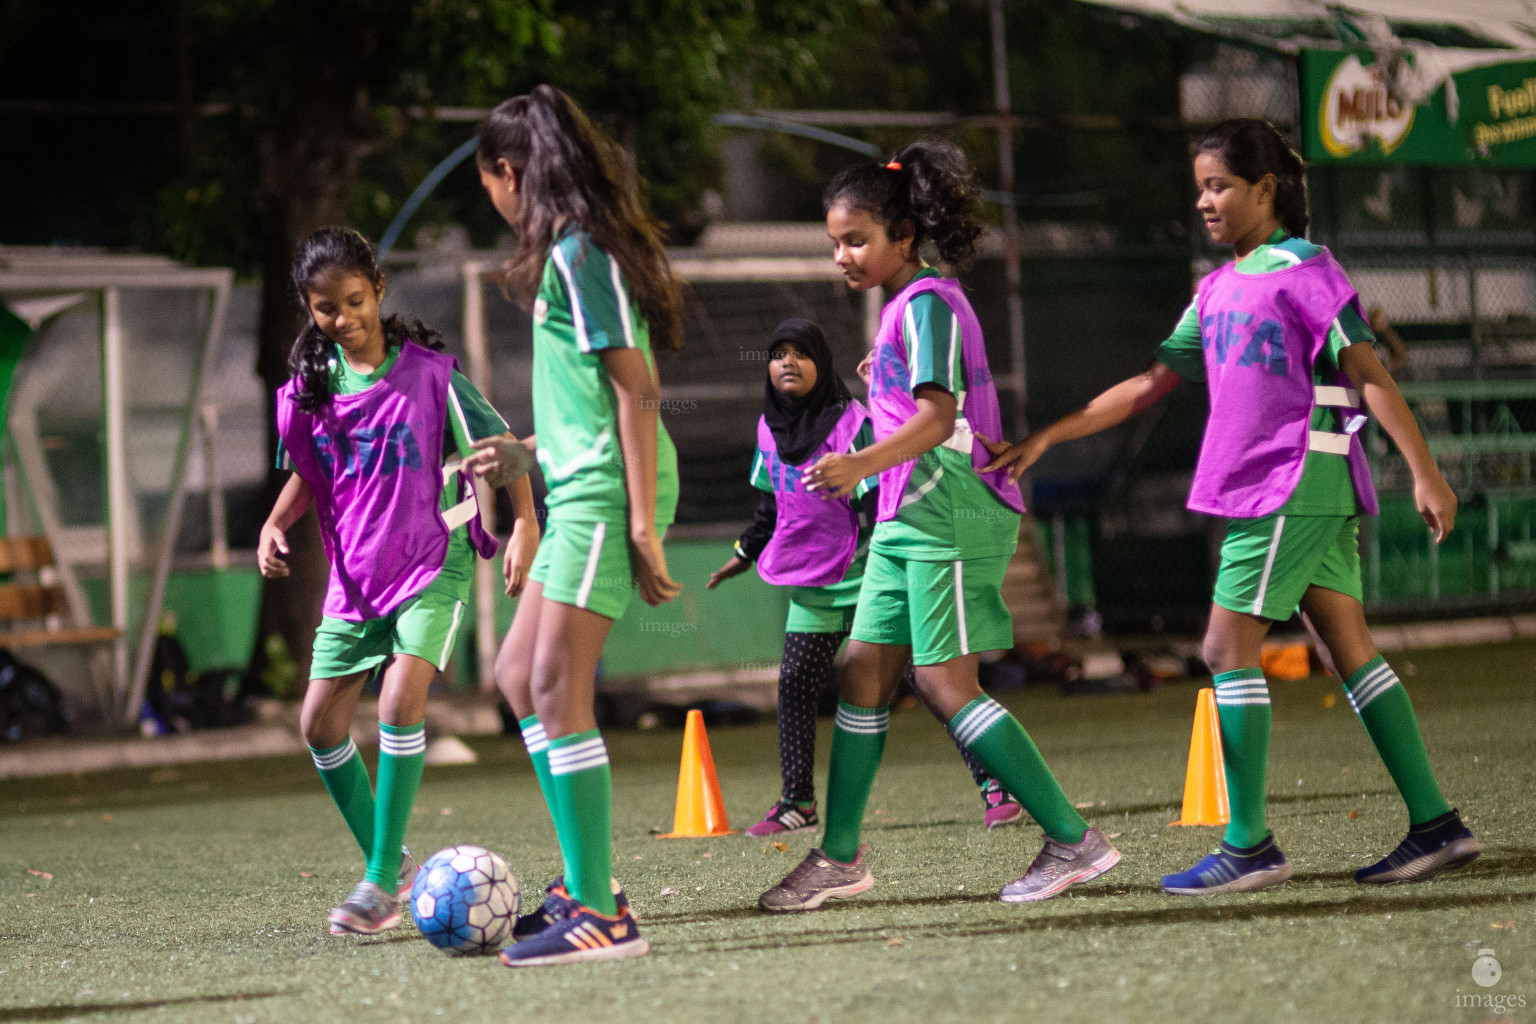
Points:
(199, 893)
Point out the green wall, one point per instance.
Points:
(739, 625)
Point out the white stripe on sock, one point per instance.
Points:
(1372, 686)
(863, 725)
(578, 757)
(335, 758)
(590, 573)
(402, 746)
(534, 738)
(982, 717)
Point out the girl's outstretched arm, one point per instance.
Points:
(272, 549)
(1433, 496)
(639, 398)
(1113, 407)
(835, 475)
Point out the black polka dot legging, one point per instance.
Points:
(804, 674)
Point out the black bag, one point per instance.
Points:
(30, 705)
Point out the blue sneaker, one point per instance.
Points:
(581, 935)
(1435, 846)
(1230, 868)
(557, 904)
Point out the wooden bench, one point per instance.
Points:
(32, 609)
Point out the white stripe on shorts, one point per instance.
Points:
(965, 640)
(453, 632)
(590, 573)
(1269, 565)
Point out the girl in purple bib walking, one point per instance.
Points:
(1279, 338)
(945, 530)
(817, 548)
(365, 423)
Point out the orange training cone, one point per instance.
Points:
(1205, 780)
(700, 808)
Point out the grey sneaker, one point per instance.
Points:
(409, 869)
(368, 911)
(817, 879)
(1059, 865)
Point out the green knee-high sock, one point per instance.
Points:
(858, 741)
(402, 754)
(538, 752)
(583, 805)
(1010, 756)
(1242, 705)
(1379, 699)
(346, 779)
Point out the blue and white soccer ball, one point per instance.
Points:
(465, 900)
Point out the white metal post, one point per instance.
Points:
(1013, 273)
(119, 498)
(217, 304)
(213, 486)
(477, 351)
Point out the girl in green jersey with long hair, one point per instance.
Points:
(590, 265)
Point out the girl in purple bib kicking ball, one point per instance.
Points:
(817, 548)
(1279, 338)
(365, 423)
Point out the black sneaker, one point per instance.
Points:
(1437, 845)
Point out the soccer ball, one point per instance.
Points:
(464, 900)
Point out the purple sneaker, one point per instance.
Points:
(1001, 807)
(785, 816)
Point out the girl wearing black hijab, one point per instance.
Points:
(816, 547)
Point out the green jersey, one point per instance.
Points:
(1325, 488)
(947, 512)
(582, 310)
(470, 419)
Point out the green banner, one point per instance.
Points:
(1349, 117)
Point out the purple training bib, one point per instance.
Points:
(374, 462)
(814, 538)
(1261, 335)
(890, 393)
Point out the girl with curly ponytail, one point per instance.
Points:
(365, 424)
(945, 528)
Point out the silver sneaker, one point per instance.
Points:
(368, 911)
(1059, 865)
(409, 869)
(817, 879)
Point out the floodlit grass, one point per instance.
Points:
(200, 893)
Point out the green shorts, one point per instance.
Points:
(1267, 564)
(826, 609)
(586, 564)
(942, 610)
(426, 625)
